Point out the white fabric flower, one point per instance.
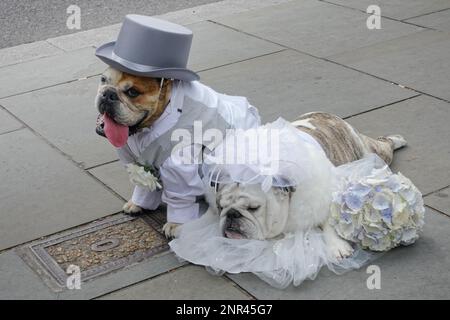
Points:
(143, 177)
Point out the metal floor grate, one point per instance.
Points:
(98, 248)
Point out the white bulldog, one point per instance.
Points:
(246, 211)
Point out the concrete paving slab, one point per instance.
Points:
(187, 283)
(315, 27)
(439, 20)
(115, 176)
(217, 9)
(7, 122)
(136, 273)
(26, 52)
(288, 84)
(42, 192)
(416, 272)
(89, 38)
(397, 9)
(18, 281)
(41, 73)
(419, 61)
(65, 115)
(98, 36)
(439, 200)
(214, 45)
(423, 121)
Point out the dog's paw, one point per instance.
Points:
(398, 141)
(131, 209)
(171, 230)
(340, 249)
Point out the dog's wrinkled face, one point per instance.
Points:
(130, 100)
(247, 212)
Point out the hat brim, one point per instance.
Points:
(105, 53)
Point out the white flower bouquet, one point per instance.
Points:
(378, 210)
(144, 176)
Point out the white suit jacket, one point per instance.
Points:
(182, 183)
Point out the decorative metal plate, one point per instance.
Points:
(98, 248)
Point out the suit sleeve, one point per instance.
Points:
(183, 186)
(141, 197)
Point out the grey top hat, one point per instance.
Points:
(150, 47)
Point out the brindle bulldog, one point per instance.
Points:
(247, 212)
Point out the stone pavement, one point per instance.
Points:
(59, 179)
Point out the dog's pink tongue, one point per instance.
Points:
(116, 133)
(233, 235)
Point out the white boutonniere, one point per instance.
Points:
(144, 176)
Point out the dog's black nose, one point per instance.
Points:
(110, 96)
(233, 214)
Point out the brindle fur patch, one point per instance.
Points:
(340, 141)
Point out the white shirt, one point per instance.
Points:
(182, 183)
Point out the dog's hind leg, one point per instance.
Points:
(342, 143)
(384, 146)
(398, 141)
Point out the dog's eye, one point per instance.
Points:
(103, 79)
(253, 208)
(132, 93)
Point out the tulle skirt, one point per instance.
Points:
(279, 262)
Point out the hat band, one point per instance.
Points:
(130, 64)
